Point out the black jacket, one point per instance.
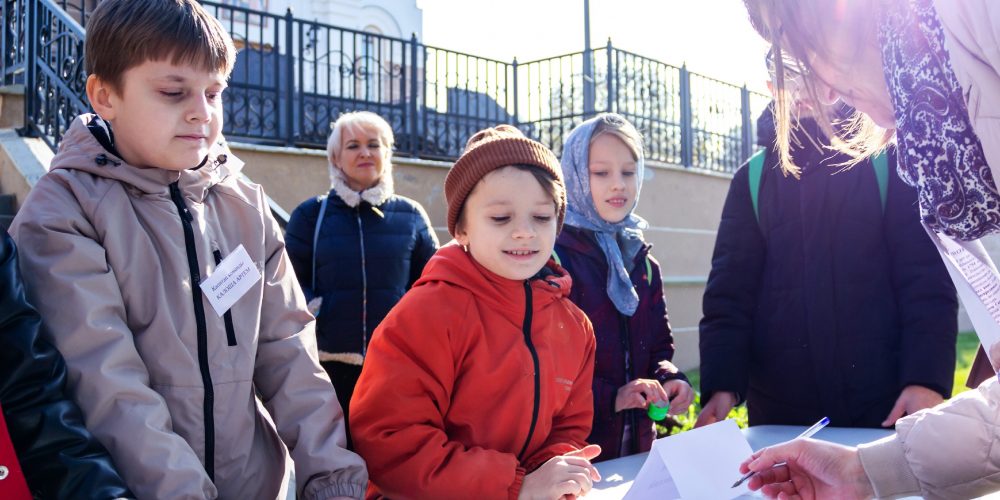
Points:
(367, 258)
(828, 305)
(59, 457)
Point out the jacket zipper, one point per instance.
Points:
(364, 286)
(526, 329)
(199, 316)
(228, 316)
(630, 415)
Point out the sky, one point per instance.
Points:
(713, 37)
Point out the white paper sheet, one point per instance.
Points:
(698, 464)
(978, 284)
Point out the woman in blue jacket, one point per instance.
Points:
(357, 249)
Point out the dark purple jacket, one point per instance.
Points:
(643, 339)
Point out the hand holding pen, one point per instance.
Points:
(814, 469)
(823, 422)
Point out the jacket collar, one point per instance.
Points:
(375, 195)
(452, 265)
(85, 147)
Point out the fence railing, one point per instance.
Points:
(293, 77)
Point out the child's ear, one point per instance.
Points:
(461, 235)
(102, 97)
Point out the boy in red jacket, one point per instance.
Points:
(478, 381)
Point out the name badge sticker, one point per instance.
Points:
(232, 279)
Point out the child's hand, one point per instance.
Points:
(681, 395)
(716, 408)
(639, 393)
(913, 399)
(314, 305)
(570, 475)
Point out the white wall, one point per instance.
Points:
(396, 18)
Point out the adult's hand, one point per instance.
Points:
(639, 393)
(716, 409)
(681, 395)
(565, 476)
(913, 399)
(813, 469)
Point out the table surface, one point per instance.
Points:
(617, 475)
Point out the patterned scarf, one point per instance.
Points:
(581, 213)
(939, 151)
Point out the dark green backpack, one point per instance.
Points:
(756, 167)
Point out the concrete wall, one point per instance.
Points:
(683, 207)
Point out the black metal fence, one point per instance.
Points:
(294, 77)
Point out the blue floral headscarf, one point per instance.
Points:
(581, 212)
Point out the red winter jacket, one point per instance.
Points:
(12, 483)
(455, 400)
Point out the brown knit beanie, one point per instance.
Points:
(494, 148)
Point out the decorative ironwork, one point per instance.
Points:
(14, 21)
(56, 80)
(293, 77)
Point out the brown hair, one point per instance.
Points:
(122, 34)
(551, 185)
(794, 28)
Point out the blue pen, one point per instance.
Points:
(823, 422)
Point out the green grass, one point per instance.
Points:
(965, 352)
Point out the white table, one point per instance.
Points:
(617, 475)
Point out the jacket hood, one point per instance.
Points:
(455, 267)
(82, 149)
(767, 134)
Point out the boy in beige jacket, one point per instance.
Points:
(163, 278)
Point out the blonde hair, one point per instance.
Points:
(358, 120)
(618, 126)
(793, 27)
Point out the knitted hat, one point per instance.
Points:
(494, 148)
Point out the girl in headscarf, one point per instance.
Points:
(617, 283)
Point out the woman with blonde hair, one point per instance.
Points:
(357, 249)
(925, 73)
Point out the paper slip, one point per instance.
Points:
(701, 463)
(978, 284)
(232, 278)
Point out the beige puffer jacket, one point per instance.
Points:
(949, 451)
(972, 37)
(104, 252)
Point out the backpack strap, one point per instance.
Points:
(756, 168)
(319, 224)
(881, 165)
(555, 257)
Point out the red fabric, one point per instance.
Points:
(12, 487)
(445, 398)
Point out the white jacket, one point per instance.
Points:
(943, 452)
(972, 37)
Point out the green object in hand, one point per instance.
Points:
(658, 411)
